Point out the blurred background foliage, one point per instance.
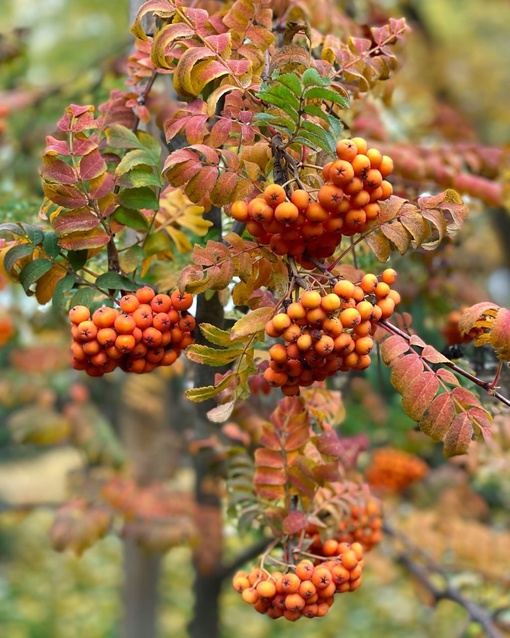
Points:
(62, 51)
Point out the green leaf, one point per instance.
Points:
(63, 286)
(329, 142)
(83, 297)
(134, 158)
(291, 81)
(140, 176)
(77, 258)
(114, 281)
(325, 94)
(202, 394)
(118, 136)
(212, 356)
(33, 271)
(151, 144)
(156, 243)
(130, 259)
(34, 234)
(143, 197)
(17, 229)
(15, 254)
(311, 77)
(275, 120)
(215, 335)
(131, 218)
(50, 244)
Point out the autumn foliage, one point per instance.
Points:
(247, 185)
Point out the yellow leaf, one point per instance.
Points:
(182, 243)
(46, 284)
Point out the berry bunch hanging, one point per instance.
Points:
(305, 589)
(345, 204)
(148, 330)
(326, 332)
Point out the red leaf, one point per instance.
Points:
(297, 438)
(65, 195)
(101, 186)
(270, 439)
(294, 523)
(447, 376)
(76, 220)
(301, 482)
(404, 370)
(459, 436)
(465, 397)
(438, 417)
(92, 165)
(56, 147)
(95, 238)
(82, 145)
(224, 187)
(418, 394)
(329, 443)
(220, 132)
(56, 170)
(392, 348)
(481, 421)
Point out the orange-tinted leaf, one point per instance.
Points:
(379, 245)
(418, 393)
(392, 348)
(329, 443)
(390, 208)
(481, 421)
(202, 183)
(415, 225)
(304, 484)
(183, 82)
(297, 438)
(269, 438)
(252, 323)
(439, 223)
(500, 334)
(164, 41)
(81, 240)
(46, 284)
(434, 356)
(160, 8)
(473, 314)
(447, 376)
(405, 369)
(289, 410)
(438, 417)
(269, 458)
(222, 192)
(459, 435)
(294, 523)
(80, 219)
(465, 397)
(398, 235)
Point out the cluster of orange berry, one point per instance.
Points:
(327, 333)
(306, 589)
(363, 525)
(346, 204)
(149, 330)
(394, 470)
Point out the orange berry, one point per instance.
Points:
(310, 299)
(281, 322)
(332, 326)
(106, 337)
(321, 577)
(350, 317)
(142, 316)
(310, 610)
(307, 589)
(389, 276)
(369, 283)
(125, 343)
(363, 329)
(372, 211)
(304, 569)
(152, 337)
(315, 213)
(326, 171)
(300, 198)
(373, 179)
(250, 595)
(274, 194)
(124, 324)
(382, 289)
(344, 344)
(296, 311)
(361, 165)
(278, 353)
(344, 289)
(355, 219)
(274, 378)
(145, 294)
(86, 331)
(365, 309)
(161, 303)
(240, 582)
(363, 345)
(354, 186)
(330, 196)
(387, 190)
(361, 144)
(290, 583)
(328, 591)
(239, 211)
(346, 150)
(324, 345)
(169, 357)
(291, 615)
(330, 547)
(304, 342)
(266, 589)
(292, 333)
(348, 559)
(387, 306)
(271, 331)
(77, 314)
(375, 157)
(91, 348)
(361, 199)
(393, 294)
(341, 172)
(330, 303)
(113, 353)
(286, 213)
(294, 602)
(129, 303)
(181, 300)
(104, 317)
(386, 165)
